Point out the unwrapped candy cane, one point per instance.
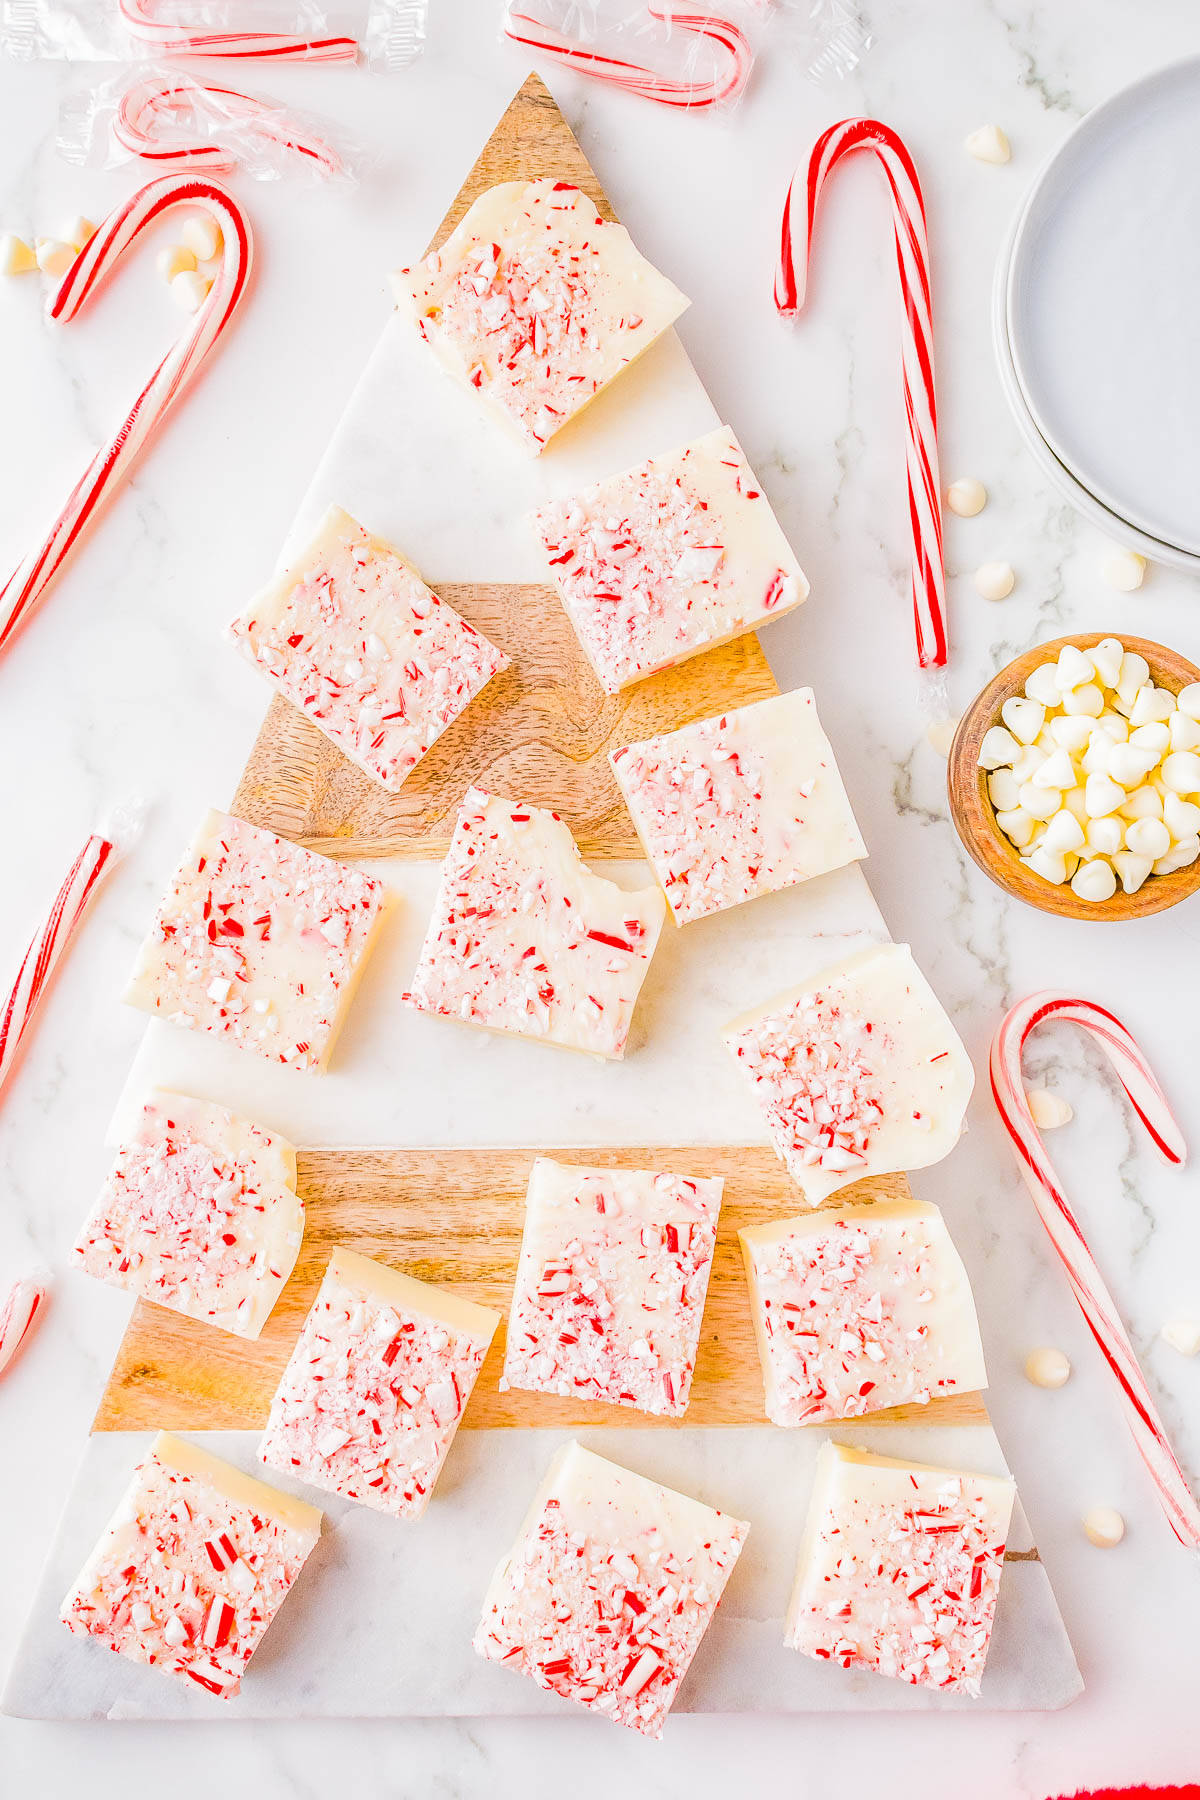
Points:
(24, 1306)
(170, 38)
(576, 52)
(109, 467)
(154, 112)
(912, 257)
(1099, 1309)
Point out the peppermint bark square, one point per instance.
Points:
(525, 939)
(668, 559)
(858, 1072)
(193, 1567)
(740, 805)
(611, 1283)
(376, 1386)
(535, 303)
(200, 1213)
(352, 636)
(609, 1588)
(258, 941)
(857, 1308)
(900, 1568)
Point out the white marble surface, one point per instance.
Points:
(122, 682)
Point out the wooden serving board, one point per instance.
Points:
(455, 1216)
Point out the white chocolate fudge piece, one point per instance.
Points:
(376, 1386)
(858, 1071)
(524, 939)
(535, 303)
(899, 1568)
(739, 805)
(353, 637)
(609, 1588)
(611, 1284)
(200, 1213)
(193, 1566)
(860, 1307)
(663, 561)
(259, 941)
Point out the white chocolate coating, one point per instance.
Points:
(200, 1213)
(524, 939)
(354, 638)
(610, 1288)
(900, 1568)
(858, 1071)
(260, 941)
(535, 303)
(860, 1308)
(668, 559)
(376, 1386)
(609, 1588)
(740, 805)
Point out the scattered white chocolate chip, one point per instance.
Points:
(1049, 1110)
(1103, 1526)
(940, 733)
(988, 144)
(16, 258)
(1124, 570)
(1047, 1368)
(77, 232)
(1182, 1335)
(175, 259)
(201, 235)
(966, 497)
(189, 289)
(54, 257)
(995, 581)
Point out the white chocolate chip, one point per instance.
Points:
(1181, 818)
(1103, 1527)
(189, 289)
(1042, 686)
(1039, 802)
(1064, 832)
(1102, 795)
(1156, 737)
(994, 580)
(174, 260)
(1048, 1368)
(1023, 717)
(1004, 790)
(54, 257)
(77, 232)
(1183, 732)
(940, 734)
(16, 257)
(1094, 881)
(1150, 703)
(1132, 868)
(1105, 658)
(1181, 772)
(1188, 700)
(966, 497)
(998, 749)
(1051, 865)
(1143, 803)
(1104, 836)
(1086, 699)
(1123, 570)
(988, 144)
(1130, 764)
(1072, 731)
(1180, 856)
(1072, 669)
(1182, 1335)
(1017, 825)
(201, 235)
(1049, 1111)
(1134, 671)
(1058, 771)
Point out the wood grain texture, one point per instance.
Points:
(455, 1216)
(974, 815)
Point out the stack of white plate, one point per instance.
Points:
(1096, 317)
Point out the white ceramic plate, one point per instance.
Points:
(1102, 306)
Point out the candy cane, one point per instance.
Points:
(522, 29)
(140, 16)
(156, 103)
(109, 467)
(912, 257)
(25, 1303)
(1099, 1309)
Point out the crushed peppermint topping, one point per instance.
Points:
(611, 1284)
(524, 939)
(352, 636)
(258, 940)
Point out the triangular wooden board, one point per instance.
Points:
(455, 1216)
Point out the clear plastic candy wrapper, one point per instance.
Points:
(171, 120)
(388, 34)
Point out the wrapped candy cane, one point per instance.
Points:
(154, 111)
(109, 841)
(170, 38)
(576, 52)
(1099, 1309)
(108, 468)
(24, 1306)
(912, 257)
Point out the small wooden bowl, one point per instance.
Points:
(975, 818)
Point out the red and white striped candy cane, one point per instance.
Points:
(109, 467)
(920, 403)
(154, 106)
(25, 1305)
(1099, 1309)
(49, 943)
(173, 39)
(521, 28)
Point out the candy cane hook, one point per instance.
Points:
(920, 403)
(156, 103)
(521, 28)
(172, 39)
(1099, 1309)
(181, 363)
(24, 1305)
